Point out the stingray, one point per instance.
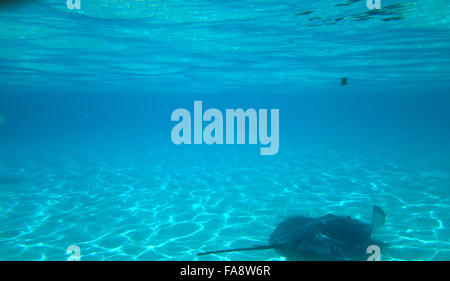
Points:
(329, 237)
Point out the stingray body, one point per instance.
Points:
(328, 237)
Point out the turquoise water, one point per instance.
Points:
(86, 97)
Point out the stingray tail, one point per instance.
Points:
(254, 248)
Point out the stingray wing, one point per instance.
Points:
(290, 231)
(329, 237)
(341, 238)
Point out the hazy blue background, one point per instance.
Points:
(87, 159)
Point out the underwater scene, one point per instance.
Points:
(164, 129)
